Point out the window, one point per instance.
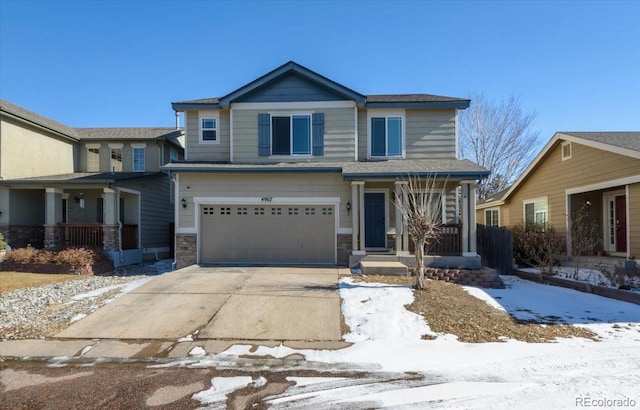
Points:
(566, 150)
(93, 159)
(209, 128)
(173, 155)
(386, 136)
(492, 217)
(291, 135)
(138, 159)
(535, 211)
(116, 159)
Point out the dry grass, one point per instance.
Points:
(10, 280)
(447, 308)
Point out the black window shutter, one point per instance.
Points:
(264, 135)
(318, 133)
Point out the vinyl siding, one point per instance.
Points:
(195, 151)
(256, 185)
(156, 212)
(553, 176)
(430, 133)
(362, 135)
(339, 129)
(151, 156)
(54, 155)
(291, 88)
(634, 220)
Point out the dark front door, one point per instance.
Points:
(621, 223)
(375, 235)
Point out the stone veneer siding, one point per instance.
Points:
(186, 254)
(51, 237)
(110, 237)
(344, 249)
(19, 236)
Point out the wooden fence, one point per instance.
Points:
(495, 247)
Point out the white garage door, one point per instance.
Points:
(298, 234)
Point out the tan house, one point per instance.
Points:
(64, 186)
(296, 168)
(599, 170)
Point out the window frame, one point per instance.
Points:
(533, 201)
(113, 147)
(386, 114)
(291, 115)
(133, 157)
(562, 148)
(490, 222)
(97, 163)
(208, 115)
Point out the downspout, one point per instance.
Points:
(174, 264)
(119, 225)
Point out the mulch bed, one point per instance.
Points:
(447, 308)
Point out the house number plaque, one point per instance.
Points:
(267, 198)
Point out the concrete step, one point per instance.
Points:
(383, 268)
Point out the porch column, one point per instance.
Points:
(110, 227)
(361, 215)
(469, 247)
(400, 223)
(405, 230)
(355, 218)
(52, 216)
(4, 206)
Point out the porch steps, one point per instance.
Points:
(379, 267)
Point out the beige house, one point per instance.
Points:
(599, 170)
(296, 168)
(64, 186)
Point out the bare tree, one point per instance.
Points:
(497, 136)
(585, 237)
(421, 208)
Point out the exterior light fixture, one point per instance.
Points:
(348, 207)
(184, 203)
(79, 200)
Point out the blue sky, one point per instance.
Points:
(121, 63)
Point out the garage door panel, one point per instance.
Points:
(269, 234)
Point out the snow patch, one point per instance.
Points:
(220, 387)
(197, 351)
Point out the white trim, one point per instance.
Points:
(189, 230)
(345, 231)
(116, 146)
(209, 115)
(139, 145)
(384, 113)
(128, 191)
(606, 197)
(231, 135)
(384, 191)
(491, 210)
(355, 136)
(455, 131)
(94, 146)
(358, 253)
(301, 105)
(626, 193)
(533, 201)
(291, 114)
(489, 205)
(133, 158)
(604, 185)
(566, 144)
(54, 191)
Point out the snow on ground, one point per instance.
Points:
(466, 375)
(592, 276)
(220, 387)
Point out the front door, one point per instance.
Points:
(621, 223)
(375, 235)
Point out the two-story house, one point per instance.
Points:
(103, 187)
(296, 168)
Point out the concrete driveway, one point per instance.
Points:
(223, 303)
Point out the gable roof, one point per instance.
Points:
(372, 101)
(625, 143)
(40, 121)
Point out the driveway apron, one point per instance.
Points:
(223, 303)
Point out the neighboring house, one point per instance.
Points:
(296, 168)
(63, 186)
(598, 169)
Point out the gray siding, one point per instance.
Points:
(27, 206)
(156, 211)
(291, 88)
(339, 131)
(151, 156)
(362, 135)
(430, 133)
(195, 151)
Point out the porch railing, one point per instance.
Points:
(81, 234)
(449, 243)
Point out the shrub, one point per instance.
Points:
(23, 255)
(75, 257)
(3, 243)
(538, 245)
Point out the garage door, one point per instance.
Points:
(299, 234)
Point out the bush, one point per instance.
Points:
(3, 243)
(22, 255)
(74, 257)
(538, 245)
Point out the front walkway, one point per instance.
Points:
(286, 304)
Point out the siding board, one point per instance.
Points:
(195, 151)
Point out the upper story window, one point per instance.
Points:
(173, 155)
(93, 158)
(492, 217)
(386, 135)
(138, 159)
(209, 123)
(116, 157)
(566, 150)
(535, 211)
(291, 134)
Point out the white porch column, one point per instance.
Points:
(401, 250)
(4, 206)
(355, 220)
(361, 215)
(469, 247)
(405, 231)
(53, 206)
